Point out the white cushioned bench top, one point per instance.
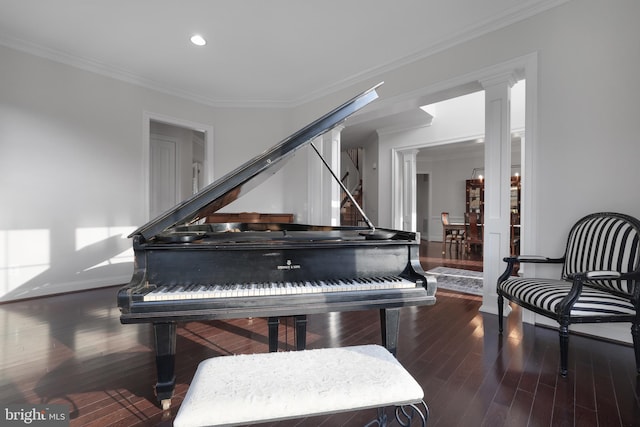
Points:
(229, 390)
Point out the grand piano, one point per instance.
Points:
(186, 269)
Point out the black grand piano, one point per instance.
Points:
(186, 269)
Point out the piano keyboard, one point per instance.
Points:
(239, 290)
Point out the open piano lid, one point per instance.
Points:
(238, 182)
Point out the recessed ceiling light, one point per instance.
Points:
(198, 40)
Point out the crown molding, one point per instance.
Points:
(106, 70)
(507, 17)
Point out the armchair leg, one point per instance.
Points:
(564, 348)
(500, 311)
(635, 333)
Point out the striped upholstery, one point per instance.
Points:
(547, 294)
(603, 243)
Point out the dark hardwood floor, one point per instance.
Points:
(72, 349)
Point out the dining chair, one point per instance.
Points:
(451, 236)
(473, 234)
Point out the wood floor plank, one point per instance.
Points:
(72, 349)
(542, 411)
(520, 410)
(606, 405)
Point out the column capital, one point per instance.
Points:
(410, 153)
(510, 78)
(338, 128)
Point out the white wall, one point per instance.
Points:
(70, 143)
(586, 134)
(71, 179)
(586, 131)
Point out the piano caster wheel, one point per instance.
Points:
(166, 404)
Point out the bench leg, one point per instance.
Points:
(382, 418)
(404, 416)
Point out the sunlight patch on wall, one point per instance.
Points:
(24, 254)
(109, 240)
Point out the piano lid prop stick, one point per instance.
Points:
(353, 200)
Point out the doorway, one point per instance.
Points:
(177, 161)
(498, 163)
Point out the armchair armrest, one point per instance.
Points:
(512, 260)
(579, 279)
(534, 259)
(600, 275)
(604, 274)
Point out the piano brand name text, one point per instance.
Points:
(289, 266)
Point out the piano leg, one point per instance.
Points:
(165, 336)
(390, 326)
(300, 323)
(301, 331)
(273, 323)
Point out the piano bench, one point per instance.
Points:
(246, 389)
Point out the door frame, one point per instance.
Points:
(525, 67)
(147, 118)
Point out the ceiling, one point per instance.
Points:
(259, 53)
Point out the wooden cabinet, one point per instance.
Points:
(514, 203)
(475, 198)
(475, 205)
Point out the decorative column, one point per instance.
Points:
(333, 145)
(497, 158)
(409, 191)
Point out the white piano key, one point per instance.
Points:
(254, 289)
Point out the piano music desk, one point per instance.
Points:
(250, 217)
(244, 389)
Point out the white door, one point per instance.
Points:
(163, 179)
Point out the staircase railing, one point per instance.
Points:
(349, 215)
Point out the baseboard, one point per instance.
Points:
(64, 288)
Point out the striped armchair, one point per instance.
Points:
(599, 283)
